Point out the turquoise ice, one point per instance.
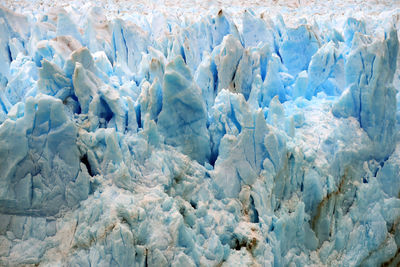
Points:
(235, 138)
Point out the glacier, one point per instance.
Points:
(165, 135)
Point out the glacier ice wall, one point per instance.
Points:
(233, 138)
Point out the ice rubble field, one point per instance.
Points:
(234, 137)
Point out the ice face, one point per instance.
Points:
(228, 137)
(183, 117)
(40, 160)
(371, 96)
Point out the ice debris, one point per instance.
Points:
(217, 140)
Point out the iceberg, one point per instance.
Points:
(195, 135)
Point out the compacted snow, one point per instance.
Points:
(179, 133)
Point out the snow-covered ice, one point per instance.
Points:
(169, 133)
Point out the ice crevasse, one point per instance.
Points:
(221, 140)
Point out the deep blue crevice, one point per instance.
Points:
(114, 46)
(75, 98)
(214, 71)
(138, 116)
(3, 107)
(105, 111)
(85, 161)
(213, 157)
(263, 67)
(253, 213)
(193, 204)
(126, 47)
(183, 54)
(232, 116)
(126, 121)
(9, 53)
(372, 70)
(279, 54)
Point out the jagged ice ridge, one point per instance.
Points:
(229, 139)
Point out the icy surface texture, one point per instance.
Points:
(228, 137)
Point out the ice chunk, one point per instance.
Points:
(272, 85)
(244, 74)
(65, 26)
(387, 176)
(371, 96)
(229, 54)
(352, 26)
(322, 66)
(183, 118)
(241, 153)
(228, 115)
(297, 46)
(205, 77)
(256, 31)
(129, 41)
(52, 81)
(44, 159)
(97, 34)
(22, 81)
(85, 85)
(151, 100)
(12, 25)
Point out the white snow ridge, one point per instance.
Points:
(199, 133)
